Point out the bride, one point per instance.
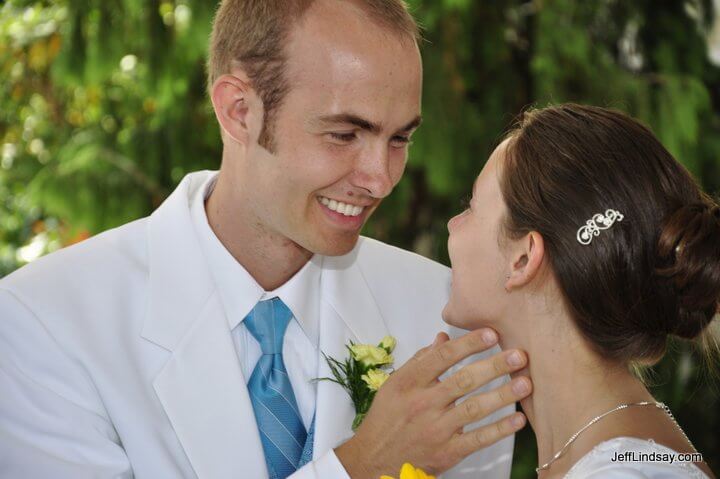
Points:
(586, 244)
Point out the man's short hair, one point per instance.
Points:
(253, 34)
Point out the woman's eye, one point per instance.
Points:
(465, 202)
(343, 137)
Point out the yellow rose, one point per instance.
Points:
(388, 343)
(375, 378)
(370, 355)
(409, 472)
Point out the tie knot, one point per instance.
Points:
(267, 322)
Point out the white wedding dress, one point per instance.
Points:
(599, 464)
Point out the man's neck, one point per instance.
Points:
(269, 259)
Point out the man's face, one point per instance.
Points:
(341, 133)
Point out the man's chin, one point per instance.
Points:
(335, 247)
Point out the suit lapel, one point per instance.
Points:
(201, 387)
(334, 410)
(348, 312)
(203, 392)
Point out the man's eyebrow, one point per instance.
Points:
(412, 125)
(362, 123)
(349, 118)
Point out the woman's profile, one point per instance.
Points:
(587, 245)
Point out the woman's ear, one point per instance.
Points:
(526, 259)
(230, 97)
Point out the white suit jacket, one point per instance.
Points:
(116, 358)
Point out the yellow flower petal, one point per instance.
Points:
(375, 378)
(408, 472)
(370, 355)
(388, 343)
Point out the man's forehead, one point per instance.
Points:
(341, 32)
(345, 18)
(348, 67)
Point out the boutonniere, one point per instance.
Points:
(362, 373)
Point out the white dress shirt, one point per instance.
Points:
(239, 293)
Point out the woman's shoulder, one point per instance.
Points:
(633, 458)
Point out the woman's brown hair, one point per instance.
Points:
(655, 273)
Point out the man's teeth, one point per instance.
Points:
(342, 208)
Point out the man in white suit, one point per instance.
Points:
(133, 355)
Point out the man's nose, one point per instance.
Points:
(373, 171)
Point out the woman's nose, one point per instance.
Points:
(451, 223)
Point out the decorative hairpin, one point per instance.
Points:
(598, 222)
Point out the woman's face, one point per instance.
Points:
(479, 268)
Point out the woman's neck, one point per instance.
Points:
(571, 386)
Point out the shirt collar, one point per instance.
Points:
(238, 290)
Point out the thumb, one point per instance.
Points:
(440, 338)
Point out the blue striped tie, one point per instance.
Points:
(281, 428)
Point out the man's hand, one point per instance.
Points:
(414, 417)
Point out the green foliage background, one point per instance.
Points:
(103, 111)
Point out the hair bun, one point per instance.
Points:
(689, 257)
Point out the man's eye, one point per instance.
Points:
(400, 141)
(343, 137)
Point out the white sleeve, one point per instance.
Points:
(49, 423)
(495, 461)
(327, 466)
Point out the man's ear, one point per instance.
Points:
(527, 256)
(231, 95)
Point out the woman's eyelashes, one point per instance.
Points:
(465, 202)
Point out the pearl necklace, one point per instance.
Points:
(658, 405)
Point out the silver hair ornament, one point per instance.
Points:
(598, 222)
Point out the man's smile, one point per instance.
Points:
(340, 207)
